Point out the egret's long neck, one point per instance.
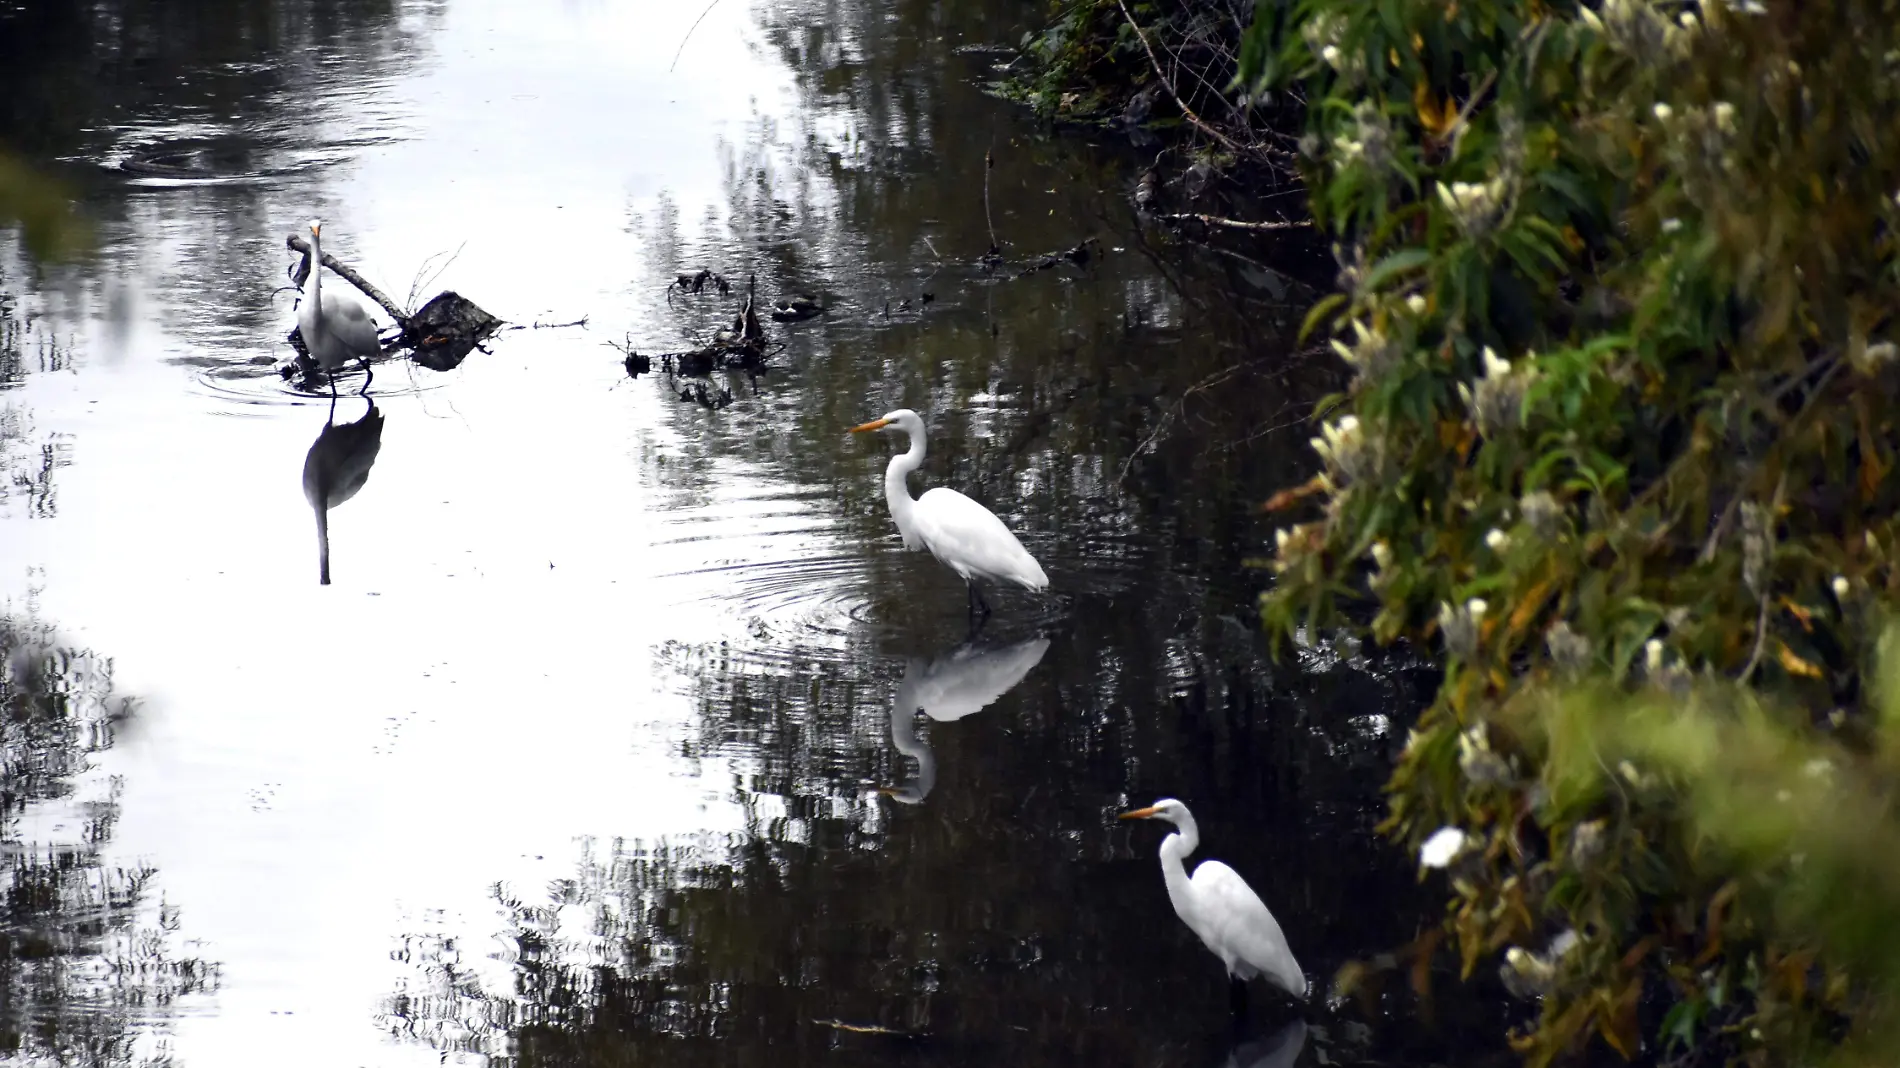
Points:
(1174, 853)
(313, 290)
(896, 486)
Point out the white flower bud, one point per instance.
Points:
(1442, 847)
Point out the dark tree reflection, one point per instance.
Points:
(88, 965)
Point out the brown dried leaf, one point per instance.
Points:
(1287, 498)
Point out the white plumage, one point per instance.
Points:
(1219, 906)
(965, 536)
(335, 328)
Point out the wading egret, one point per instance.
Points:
(962, 534)
(1219, 906)
(336, 328)
(336, 467)
(968, 679)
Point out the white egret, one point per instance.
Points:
(1219, 906)
(335, 328)
(962, 534)
(336, 466)
(968, 679)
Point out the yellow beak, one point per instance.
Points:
(1138, 814)
(316, 231)
(875, 424)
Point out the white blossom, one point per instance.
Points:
(1442, 847)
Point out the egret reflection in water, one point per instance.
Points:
(967, 679)
(336, 467)
(1280, 1049)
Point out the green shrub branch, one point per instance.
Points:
(1618, 286)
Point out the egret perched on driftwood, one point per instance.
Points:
(1219, 906)
(964, 535)
(335, 328)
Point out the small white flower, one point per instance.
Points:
(1331, 55)
(1280, 536)
(1670, 226)
(1663, 112)
(1416, 304)
(1841, 587)
(1653, 655)
(1382, 554)
(1442, 847)
(1476, 607)
(1725, 116)
(1497, 540)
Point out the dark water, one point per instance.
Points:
(579, 759)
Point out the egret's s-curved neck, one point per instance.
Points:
(896, 482)
(1174, 853)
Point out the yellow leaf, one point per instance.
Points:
(1801, 614)
(1436, 117)
(1617, 1024)
(1528, 606)
(1793, 664)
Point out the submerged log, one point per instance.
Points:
(446, 329)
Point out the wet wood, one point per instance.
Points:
(297, 243)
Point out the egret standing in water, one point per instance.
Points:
(335, 328)
(1219, 906)
(962, 534)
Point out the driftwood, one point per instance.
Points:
(440, 334)
(302, 274)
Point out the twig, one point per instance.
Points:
(689, 35)
(298, 244)
(429, 267)
(1186, 112)
(989, 164)
(1179, 407)
(1761, 620)
(1727, 518)
(1238, 224)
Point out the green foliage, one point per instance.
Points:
(39, 207)
(1618, 286)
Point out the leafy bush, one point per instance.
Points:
(1618, 286)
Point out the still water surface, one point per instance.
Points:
(627, 730)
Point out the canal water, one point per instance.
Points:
(626, 731)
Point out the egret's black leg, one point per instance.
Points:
(331, 375)
(369, 375)
(1237, 998)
